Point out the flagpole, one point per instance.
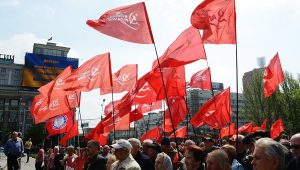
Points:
(188, 120)
(134, 125)
(165, 91)
(79, 114)
(113, 110)
(237, 81)
(164, 118)
(147, 128)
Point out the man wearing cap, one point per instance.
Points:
(125, 160)
(95, 160)
(209, 144)
(153, 150)
(142, 159)
(171, 152)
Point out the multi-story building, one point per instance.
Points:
(15, 98)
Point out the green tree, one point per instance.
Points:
(36, 133)
(283, 103)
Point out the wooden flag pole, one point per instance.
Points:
(113, 110)
(237, 81)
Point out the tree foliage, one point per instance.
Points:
(283, 103)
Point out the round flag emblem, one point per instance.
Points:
(60, 122)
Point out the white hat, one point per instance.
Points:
(122, 143)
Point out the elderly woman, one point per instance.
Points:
(194, 158)
(218, 160)
(268, 154)
(163, 162)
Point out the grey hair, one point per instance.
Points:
(273, 150)
(166, 161)
(56, 147)
(147, 142)
(135, 142)
(189, 142)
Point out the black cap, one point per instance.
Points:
(155, 146)
(165, 141)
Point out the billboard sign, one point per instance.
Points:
(41, 69)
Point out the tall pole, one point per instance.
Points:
(24, 118)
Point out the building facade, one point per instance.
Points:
(15, 99)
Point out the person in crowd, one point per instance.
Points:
(81, 159)
(47, 143)
(58, 159)
(95, 160)
(27, 147)
(217, 160)
(69, 160)
(124, 158)
(285, 143)
(47, 157)
(13, 151)
(105, 151)
(231, 153)
(194, 157)
(172, 153)
(39, 159)
(268, 154)
(209, 144)
(110, 160)
(295, 149)
(163, 162)
(202, 145)
(142, 159)
(146, 143)
(50, 165)
(153, 150)
(187, 143)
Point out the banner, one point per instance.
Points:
(41, 69)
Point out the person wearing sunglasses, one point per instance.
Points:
(295, 149)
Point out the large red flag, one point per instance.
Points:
(41, 110)
(187, 48)
(70, 134)
(217, 20)
(123, 80)
(276, 128)
(217, 107)
(151, 134)
(108, 108)
(60, 124)
(94, 73)
(201, 80)
(135, 115)
(120, 123)
(246, 128)
(228, 130)
(180, 133)
(145, 94)
(178, 111)
(128, 23)
(273, 76)
(54, 88)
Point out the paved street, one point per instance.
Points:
(24, 165)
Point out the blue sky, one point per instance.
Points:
(263, 28)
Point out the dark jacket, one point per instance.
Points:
(293, 164)
(144, 161)
(95, 163)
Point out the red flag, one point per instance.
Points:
(72, 133)
(94, 73)
(276, 128)
(201, 80)
(174, 78)
(228, 130)
(135, 115)
(123, 80)
(54, 88)
(217, 20)
(74, 99)
(187, 48)
(214, 112)
(273, 76)
(152, 133)
(246, 128)
(159, 138)
(180, 133)
(176, 158)
(145, 108)
(145, 94)
(102, 140)
(60, 124)
(42, 111)
(108, 108)
(262, 127)
(178, 110)
(128, 23)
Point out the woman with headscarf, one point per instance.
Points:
(163, 162)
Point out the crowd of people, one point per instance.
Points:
(256, 151)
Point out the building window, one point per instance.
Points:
(14, 102)
(3, 82)
(3, 70)
(17, 71)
